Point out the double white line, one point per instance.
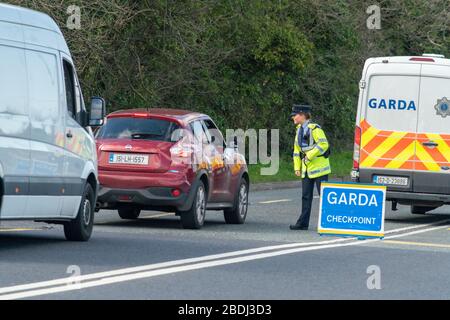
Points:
(159, 269)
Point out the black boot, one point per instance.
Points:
(297, 227)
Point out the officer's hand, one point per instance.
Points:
(298, 173)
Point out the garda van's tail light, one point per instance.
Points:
(357, 148)
(422, 59)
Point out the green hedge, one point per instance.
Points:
(244, 62)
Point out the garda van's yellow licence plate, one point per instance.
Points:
(120, 158)
(393, 181)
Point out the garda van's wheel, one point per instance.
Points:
(238, 213)
(421, 209)
(194, 218)
(129, 213)
(80, 229)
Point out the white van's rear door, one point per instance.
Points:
(389, 125)
(433, 140)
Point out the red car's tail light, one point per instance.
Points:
(140, 115)
(181, 150)
(176, 193)
(124, 198)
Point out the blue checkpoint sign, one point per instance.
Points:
(352, 209)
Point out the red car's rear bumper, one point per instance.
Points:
(139, 180)
(150, 190)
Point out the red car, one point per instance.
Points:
(170, 160)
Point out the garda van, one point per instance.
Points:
(48, 165)
(402, 136)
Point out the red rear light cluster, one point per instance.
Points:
(357, 148)
(176, 193)
(181, 150)
(140, 115)
(124, 198)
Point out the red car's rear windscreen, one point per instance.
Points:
(138, 128)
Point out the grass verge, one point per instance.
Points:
(341, 165)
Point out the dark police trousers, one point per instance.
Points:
(307, 197)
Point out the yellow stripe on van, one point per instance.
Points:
(443, 148)
(426, 159)
(404, 156)
(384, 147)
(368, 135)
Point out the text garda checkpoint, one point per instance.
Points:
(352, 210)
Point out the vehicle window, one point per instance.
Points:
(392, 102)
(79, 97)
(199, 132)
(177, 134)
(135, 128)
(213, 131)
(13, 76)
(69, 81)
(43, 87)
(13, 92)
(434, 108)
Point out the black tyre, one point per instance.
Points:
(238, 213)
(194, 218)
(421, 209)
(80, 229)
(129, 213)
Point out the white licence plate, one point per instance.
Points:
(120, 158)
(393, 181)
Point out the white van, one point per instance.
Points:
(402, 136)
(48, 164)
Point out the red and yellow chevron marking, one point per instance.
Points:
(402, 150)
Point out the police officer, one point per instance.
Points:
(311, 163)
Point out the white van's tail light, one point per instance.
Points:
(422, 59)
(357, 148)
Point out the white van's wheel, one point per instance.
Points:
(80, 229)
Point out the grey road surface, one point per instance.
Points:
(261, 259)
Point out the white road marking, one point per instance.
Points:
(129, 274)
(158, 216)
(416, 226)
(275, 201)
(282, 200)
(416, 232)
(12, 229)
(419, 244)
(160, 265)
(19, 229)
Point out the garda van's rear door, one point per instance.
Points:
(389, 123)
(433, 141)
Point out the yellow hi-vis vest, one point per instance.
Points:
(317, 165)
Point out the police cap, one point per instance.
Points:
(300, 108)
